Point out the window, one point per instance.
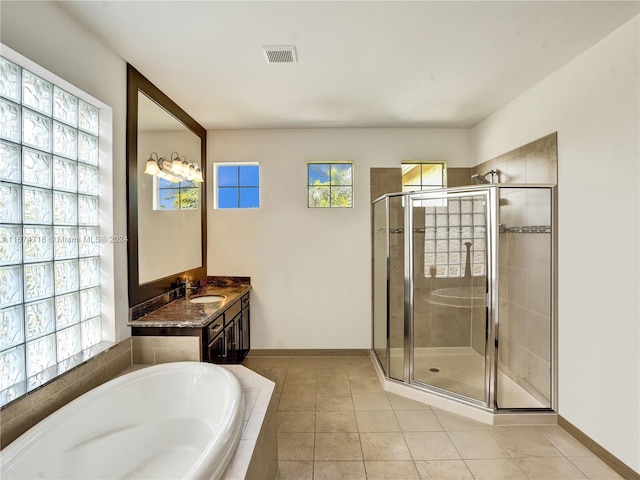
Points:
(237, 185)
(330, 185)
(417, 176)
(183, 195)
(50, 297)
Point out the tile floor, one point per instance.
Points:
(335, 422)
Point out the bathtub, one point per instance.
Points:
(175, 420)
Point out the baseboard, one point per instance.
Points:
(603, 454)
(309, 352)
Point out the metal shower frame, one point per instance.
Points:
(492, 196)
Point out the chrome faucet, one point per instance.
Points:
(187, 288)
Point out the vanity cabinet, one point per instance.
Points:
(228, 334)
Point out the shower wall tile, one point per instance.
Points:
(538, 207)
(459, 177)
(538, 248)
(538, 292)
(538, 335)
(517, 321)
(385, 180)
(18, 416)
(535, 162)
(517, 250)
(516, 285)
(539, 378)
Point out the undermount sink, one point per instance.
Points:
(207, 299)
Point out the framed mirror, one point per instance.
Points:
(167, 228)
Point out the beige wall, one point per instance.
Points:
(593, 102)
(310, 269)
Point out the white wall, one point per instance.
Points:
(44, 33)
(593, 104)
(310, 268)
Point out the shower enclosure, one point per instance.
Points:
(463, 294)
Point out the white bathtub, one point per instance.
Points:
(175, 420)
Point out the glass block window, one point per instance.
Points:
(49, 255)
(330, 185)
(237, 185)
(455, 236)
(418, 176)
(183, 195)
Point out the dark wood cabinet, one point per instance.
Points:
(228, 334)
(224, 339)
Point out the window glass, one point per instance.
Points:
(330, 185)
(49, 252)
(237, 185)
(417, 176)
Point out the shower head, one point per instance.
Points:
(479, 179)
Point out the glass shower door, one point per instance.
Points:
(451, 281)
(379, 288)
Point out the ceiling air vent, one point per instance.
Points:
(282, 54)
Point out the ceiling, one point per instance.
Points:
(360, 64)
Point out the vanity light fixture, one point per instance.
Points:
(175, 170)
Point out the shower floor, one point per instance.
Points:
(461, 370)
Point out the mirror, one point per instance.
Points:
(166, 220)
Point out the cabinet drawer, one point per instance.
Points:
(245, 301)
(216, 326)
(232, 311)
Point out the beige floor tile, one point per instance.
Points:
(431, 446)
(389, 470)
(316, 362)
(524, 442)
(564, 441)
(295, 401)
(418, 421)
(384, 446)
(594, 468)
(371, 401)
(365, 385)
(451, 421)
(335, 372)
(295, 470)
(295, 446)
(339, 471)
(550, 468)
(362, 372)
(334, 402)
(477, 444)
(339, 385)
(300, 386)
(275, 374)
(495, 469)
(402, 403)
(443, 470)
(260, 362)
(330, 421)
(302, 373)
(337, 446)
(294, 421)
(377, 421)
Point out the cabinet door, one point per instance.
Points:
(231, 333)
(244, 334)
(218, 349)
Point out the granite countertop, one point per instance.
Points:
(182, 313)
